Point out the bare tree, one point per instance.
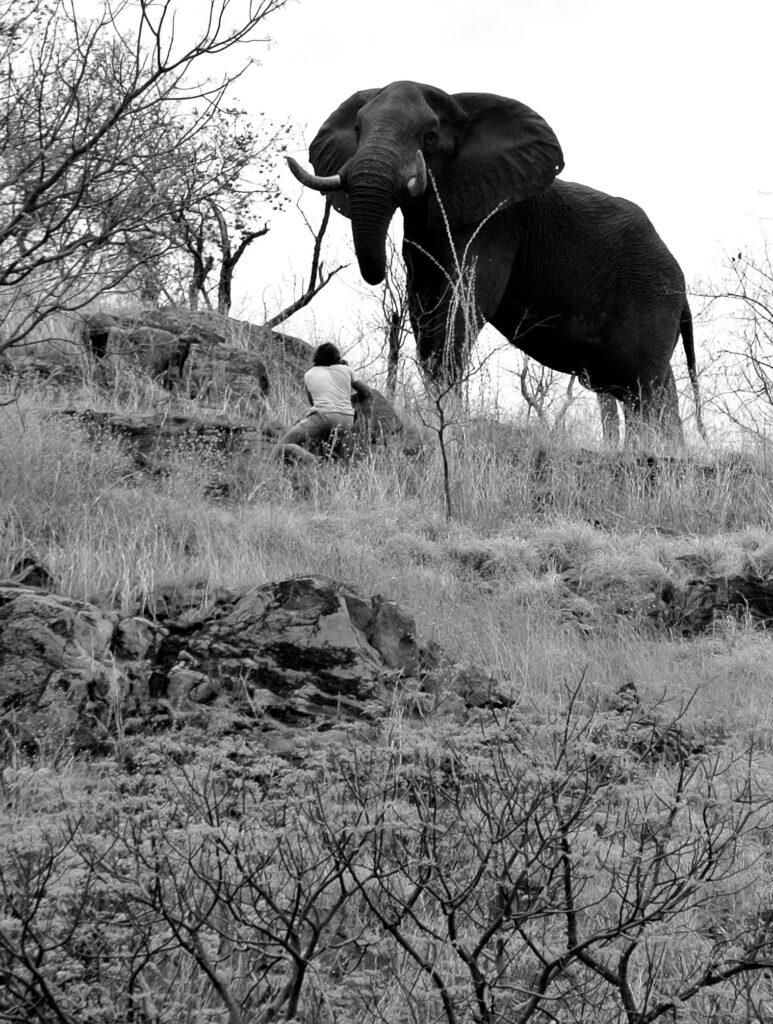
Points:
(553, 885)
(595, 864)
(318, 279)
(85, 132)
(227, 178)
(394, 319)
(545, 396)
(743, 306)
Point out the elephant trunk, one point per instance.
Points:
(374, 188)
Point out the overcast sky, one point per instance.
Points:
(666, 102)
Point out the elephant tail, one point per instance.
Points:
(685, 329)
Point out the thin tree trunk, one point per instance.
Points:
(393, 352)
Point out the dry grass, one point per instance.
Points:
(525, 580)
(489, 585)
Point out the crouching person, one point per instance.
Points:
(329, 385)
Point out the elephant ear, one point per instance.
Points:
(506, 153)
(336, 143)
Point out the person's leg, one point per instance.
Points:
(338, 441)
(304, 430)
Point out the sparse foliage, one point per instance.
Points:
(227, 175)
(318, 278)
(744, 307)
(596, 865)
(90, 134)
(545, 396)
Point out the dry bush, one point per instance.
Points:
(580, 862)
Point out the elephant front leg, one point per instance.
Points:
(446, 328)
(451, 296)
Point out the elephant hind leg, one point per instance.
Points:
(610, 418)
(654, 413)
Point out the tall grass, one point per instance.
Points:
(524, 580)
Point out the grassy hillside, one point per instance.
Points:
(543, 577)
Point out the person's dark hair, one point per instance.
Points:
(327, 355)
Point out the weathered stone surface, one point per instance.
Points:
(160, 352)
(300, 648)
(222, 373)
(56, 669)
(392, 632)
(136, 340)
(697, 604)
(135, 638)
(376, 421)
(195, 326)
(285, 355)
(305, 650)
(214, 356)
(153, 435)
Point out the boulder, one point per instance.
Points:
(376, 422)
(57, 675)
(302, 651)
(221, 361)
(203, 327)
(152, 437)
(217, 374)
(155, 350)
(140, 340)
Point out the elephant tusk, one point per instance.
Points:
(417, 185)
(321, 184)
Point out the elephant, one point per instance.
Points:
(577, 279)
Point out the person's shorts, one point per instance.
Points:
(317, 425)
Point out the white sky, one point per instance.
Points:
(666, 103)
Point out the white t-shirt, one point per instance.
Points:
(330, 388)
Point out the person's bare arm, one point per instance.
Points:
(362, 389)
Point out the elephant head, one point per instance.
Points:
(444, 160)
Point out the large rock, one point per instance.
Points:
(217, 374)
(305, 650)
(203, 326)
(376, 422)
(143, 341)
(57, 674)
(153, 349)
(231, 356)
(152, 438)
(223, 362)
(299, 649)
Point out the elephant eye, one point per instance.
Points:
(430, 137)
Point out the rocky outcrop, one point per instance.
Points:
(696, 606)
(301, 649)
(218, 374)
(58, 676)
(152, 437)
(207, 356)
(221, 363)
(683, 609)
(302, 652)
(307, 650)
(376, 422)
